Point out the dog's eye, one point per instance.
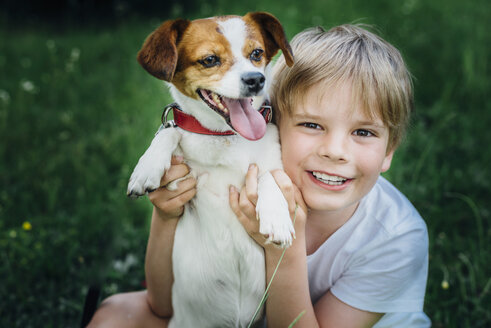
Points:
(256, 54)
(210, 61)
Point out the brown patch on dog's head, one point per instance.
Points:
(272, 33)
(159, 52)
(201, 40)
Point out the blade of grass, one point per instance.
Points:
(265, 295)
(296, 319)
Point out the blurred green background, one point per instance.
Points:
(76, 112)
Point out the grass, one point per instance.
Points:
(76, 112)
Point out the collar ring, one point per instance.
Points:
(166, 123)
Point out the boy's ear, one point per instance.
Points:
(158, 56)
(387, 161)
(273, 35)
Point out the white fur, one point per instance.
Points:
(235, 32)
(272, 225)
(152, 165)
(219, 271)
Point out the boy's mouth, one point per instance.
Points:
(332, 180)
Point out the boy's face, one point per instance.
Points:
(333, 151)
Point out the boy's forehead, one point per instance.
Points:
(341, 95)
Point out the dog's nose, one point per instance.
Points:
(254, 81)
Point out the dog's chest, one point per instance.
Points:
(220, 152)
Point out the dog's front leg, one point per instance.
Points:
(272, 211)
(155, 161)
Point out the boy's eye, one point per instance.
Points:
(363, 133)
(210, 61)
(310, 125)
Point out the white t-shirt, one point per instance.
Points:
(378, 260)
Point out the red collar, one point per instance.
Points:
(189, 123)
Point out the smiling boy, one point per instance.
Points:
(361, 254)
(360, 257)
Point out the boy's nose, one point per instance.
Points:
(334, 147)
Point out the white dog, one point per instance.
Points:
(216, 69)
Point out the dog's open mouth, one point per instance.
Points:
(238, 113)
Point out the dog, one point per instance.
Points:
(216, 71)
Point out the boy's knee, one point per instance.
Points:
(113, 310)
(126, 310)
(115, 301)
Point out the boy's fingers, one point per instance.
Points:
(183, 198)
(240, 204)
(182, 186)
(173, 206)
(245, 204)
(176, 160)
(299, 199)
(233, 199)
(251, 184)
(162, 194)
(175, 171)
(286, 185)
(250, 225)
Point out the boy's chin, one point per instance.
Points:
(329, 205)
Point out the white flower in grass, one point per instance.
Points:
(74, 57)
(111, 288)
(123, 266)
(4, 96)
(75, 54)
(28, 86)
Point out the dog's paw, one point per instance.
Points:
(272, 211)
(155, 161)
(145, 178)
(276, 226)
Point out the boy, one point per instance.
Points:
(361, 251)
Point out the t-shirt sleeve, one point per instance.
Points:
(389, 274)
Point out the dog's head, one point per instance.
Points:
(217, 63)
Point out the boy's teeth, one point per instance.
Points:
(329, 179)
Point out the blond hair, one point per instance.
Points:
(375, 69)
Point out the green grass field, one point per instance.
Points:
(76, 112)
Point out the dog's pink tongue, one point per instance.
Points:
(247, 121)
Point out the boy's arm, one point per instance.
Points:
(289, 293)
(289, 296)
(168, 207)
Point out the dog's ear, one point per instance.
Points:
(273, 35)
(159, 52)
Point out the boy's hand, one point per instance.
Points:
(243, 203)
(170, 204)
